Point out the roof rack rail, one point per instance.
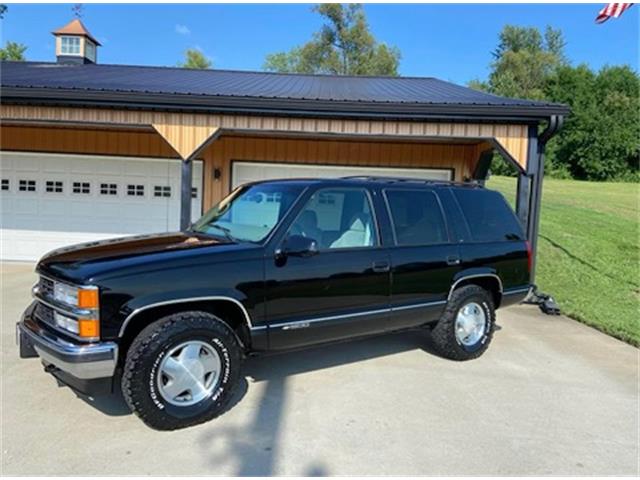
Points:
(409, 180)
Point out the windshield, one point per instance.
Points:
(249, 213)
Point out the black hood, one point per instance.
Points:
(82, 262)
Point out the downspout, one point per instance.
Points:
(555, 124)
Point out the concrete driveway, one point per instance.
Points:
(551, 396)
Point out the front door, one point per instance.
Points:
(338, 292)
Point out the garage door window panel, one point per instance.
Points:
(337, 219)
(109, 189)
(53, 186)
(27, 185)
(162, 191)
(135, 190)
(417, 217)
(81, 188)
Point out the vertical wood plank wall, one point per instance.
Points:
(221, 153)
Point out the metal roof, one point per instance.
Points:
(163, 86)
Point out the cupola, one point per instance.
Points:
(74, 44)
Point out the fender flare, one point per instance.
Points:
(462, 276)
(174, 301)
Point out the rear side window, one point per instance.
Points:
(488, 215)
(417, 217)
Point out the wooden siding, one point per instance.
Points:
(223, 151)
(513, 138)
(85, 141)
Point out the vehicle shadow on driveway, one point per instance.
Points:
(280, 365)
(253, 448)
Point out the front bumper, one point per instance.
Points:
(80, 361)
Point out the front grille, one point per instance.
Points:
(45, 286)
(45, 314)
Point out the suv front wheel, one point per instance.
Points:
(466, 327)
(181, 370)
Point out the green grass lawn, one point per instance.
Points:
(589, 251)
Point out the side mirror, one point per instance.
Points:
(299, 246)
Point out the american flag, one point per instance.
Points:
(612, 10)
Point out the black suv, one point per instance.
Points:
(275, 265)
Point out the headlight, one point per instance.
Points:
(86, 298)
(66, 323)
(65, 294)
(78, 297)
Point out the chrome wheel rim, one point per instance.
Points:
(471, 324)
(189, 373)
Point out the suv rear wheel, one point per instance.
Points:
(466, 327)
(181, 370)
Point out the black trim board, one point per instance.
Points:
(278, 106)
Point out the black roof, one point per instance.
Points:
(223, 90)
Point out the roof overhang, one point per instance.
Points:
(279, 106)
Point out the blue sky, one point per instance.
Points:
(451, 42)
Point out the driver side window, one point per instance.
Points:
(337, 218)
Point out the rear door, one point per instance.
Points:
(424, 259)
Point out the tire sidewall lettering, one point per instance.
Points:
(215, 396)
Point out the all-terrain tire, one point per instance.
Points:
(444, 333)
(140, 374)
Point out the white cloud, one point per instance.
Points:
(182, 29)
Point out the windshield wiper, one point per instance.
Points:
(226, 232)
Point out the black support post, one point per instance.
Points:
(535, 170)
(186, 181)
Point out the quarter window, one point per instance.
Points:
(108, 189)
(82, 188)
(417, 217)
(337, 218)
(27, 185)
(161, 191)
(52, 186)
(135, 190)
(488, 215)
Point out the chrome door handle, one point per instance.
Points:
(453, 260)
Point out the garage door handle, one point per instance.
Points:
(381, 267)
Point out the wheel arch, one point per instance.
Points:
(228, 309)
(490, 281)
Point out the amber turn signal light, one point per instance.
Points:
(88, 298)
(88, 327)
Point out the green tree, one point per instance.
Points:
(343, 46)
(13, 51)
(194, 58)
(601, 137)
(3, 10)
(523, 62)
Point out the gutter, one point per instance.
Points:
(553, 127)
(279, 107)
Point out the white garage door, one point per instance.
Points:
(244, 172)
(52, 200)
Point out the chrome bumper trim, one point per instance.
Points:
(97, 360)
